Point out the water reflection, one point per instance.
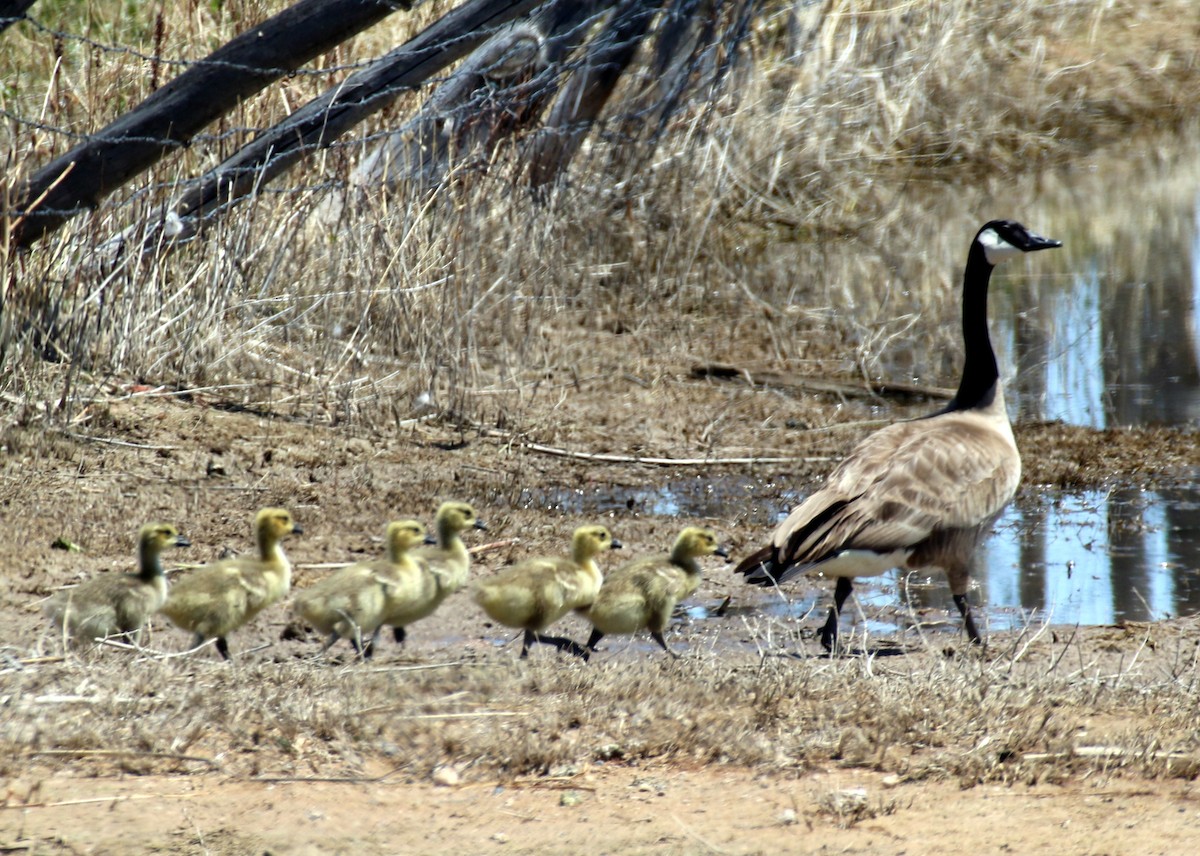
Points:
(1087, 557)
(1112, 340)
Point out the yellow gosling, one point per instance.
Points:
(217, 599)
(352, 603)
(535, 593)
(642, 594)
(447, 562)
(119, 604)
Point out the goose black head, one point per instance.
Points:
(1001, 240)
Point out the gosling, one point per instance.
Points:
(642, 594)
(352, 603)
(219, 598)
(119, 604)
(535, 593)
(447, 564)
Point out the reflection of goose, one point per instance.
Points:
(113, 604)
(535, 593)
(916, 494)
(641, 594)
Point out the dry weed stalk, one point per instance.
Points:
(431, 301)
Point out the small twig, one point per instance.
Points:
(344, 780)
(603, 457)
(420, 668)
(492, 546)
(93, 800)
(481, 714)
(121, 753)
(109, 441)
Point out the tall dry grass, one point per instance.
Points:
(815, 211)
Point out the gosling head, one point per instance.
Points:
(694, 542)
(275, 523)
(457, 516)
(155, 537)
(589, 541)
(403, 535)
(1001, 240)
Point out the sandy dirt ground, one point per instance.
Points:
(208, 469)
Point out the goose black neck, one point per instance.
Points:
(980, 375)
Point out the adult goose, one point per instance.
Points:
(917, 494)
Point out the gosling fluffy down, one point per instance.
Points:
(352, 603)
(535, 593)
(119, 604)
(642, 594)
(215, 600)
(445, 568)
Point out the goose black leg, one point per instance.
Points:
(964, 609)
(223, 647)
(398, 633)
(829, 632)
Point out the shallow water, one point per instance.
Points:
(1104, 332)
(1059, 557)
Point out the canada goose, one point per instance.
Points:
(642, 594)
(115, 604)
(448, 562)
(535, 593)
(351, 603)
(217, 599)
(917, 494)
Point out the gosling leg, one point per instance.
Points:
(594, 638)
(399, 634)
(658, 637)
(223, 648)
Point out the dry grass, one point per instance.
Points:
(1034, 709)
(785, 196)
(807, 223)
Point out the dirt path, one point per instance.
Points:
(607, 809)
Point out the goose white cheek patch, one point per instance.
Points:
(996, 248)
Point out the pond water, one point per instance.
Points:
(1058, 557)
(1105, 332)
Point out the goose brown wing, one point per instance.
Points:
(901, 484)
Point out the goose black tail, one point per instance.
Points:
(761, 568)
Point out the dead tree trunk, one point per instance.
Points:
(12, 11)
(172, 115)
(580, 102)
(324, 119)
